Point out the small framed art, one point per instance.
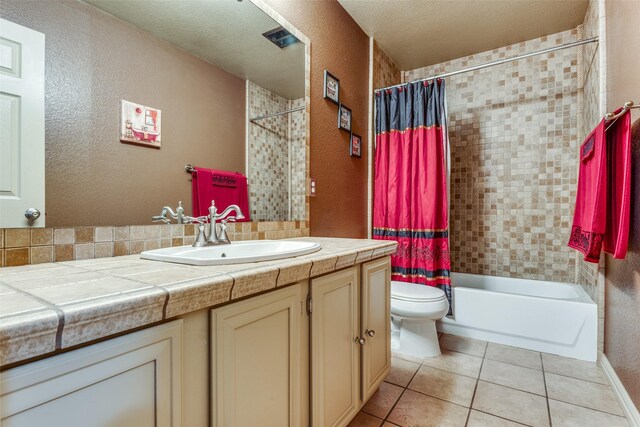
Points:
(331, 87)
(140, 125)
(344, 118)
(355, 146)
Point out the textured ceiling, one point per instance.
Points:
(227, 33)
(417, 33)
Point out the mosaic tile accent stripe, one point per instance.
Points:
(514, 137)
(22, 246)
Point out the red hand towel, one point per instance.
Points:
(226, 188)
(618, 137)
(589, 218)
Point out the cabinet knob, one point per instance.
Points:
(370, 332)
(359, 340)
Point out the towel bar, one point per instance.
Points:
(612, 117)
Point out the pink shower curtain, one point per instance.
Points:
(410, 199)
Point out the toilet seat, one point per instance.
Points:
(412, 292)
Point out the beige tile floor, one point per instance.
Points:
(476, 384)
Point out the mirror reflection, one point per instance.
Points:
(243, 40)
(229, 83)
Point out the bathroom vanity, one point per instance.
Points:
(299, 341)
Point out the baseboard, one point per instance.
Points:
(628, 407)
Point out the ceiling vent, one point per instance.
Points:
(281, 37)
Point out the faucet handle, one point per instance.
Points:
(201, 239)
(160, 218)
(195, 220)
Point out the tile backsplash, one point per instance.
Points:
(514, 135)
(22, 246)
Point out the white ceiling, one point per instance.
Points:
(417, 33)
(227, 33)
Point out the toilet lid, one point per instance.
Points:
(415, 292)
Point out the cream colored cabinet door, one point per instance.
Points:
(131, 381)
(376, 324)
(256, 361)
(335, 350)
(21, 125)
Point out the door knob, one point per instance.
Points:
(32, 214)
(359, 340)
(370, 332)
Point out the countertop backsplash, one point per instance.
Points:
(23, 246)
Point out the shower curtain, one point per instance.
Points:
(411, 188)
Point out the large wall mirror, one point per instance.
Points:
(229, 81)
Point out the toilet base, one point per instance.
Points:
(415, 338)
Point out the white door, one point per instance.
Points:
(21, 125)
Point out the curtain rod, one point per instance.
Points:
(498, 62)
(266, 116)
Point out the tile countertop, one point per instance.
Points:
(50, 307)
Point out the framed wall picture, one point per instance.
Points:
(140, 125)
(344, 118)
(355, 146)
(331, 87)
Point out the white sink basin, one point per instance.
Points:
(234, 253)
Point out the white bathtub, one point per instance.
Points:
(555, 318)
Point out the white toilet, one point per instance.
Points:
(415, 309)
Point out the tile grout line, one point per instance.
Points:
(475, 389)
(579, 379)
(501, 417)
(546, 392)
(386, 418)
(49, 305)
(437, 398)
(592, 409)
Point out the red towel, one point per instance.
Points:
(226, 188)
(589, 218)
(618, 136)
(603, 201)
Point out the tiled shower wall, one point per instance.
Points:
(277, 162)
(298, 159)
(514, 135)
(385, 71)
(591, 276)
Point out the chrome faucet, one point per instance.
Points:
(215, 238)
(178, 215)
